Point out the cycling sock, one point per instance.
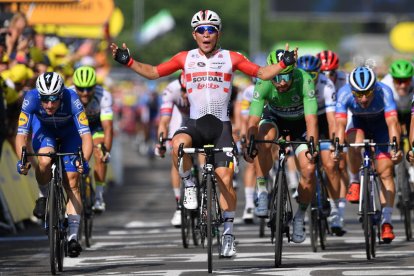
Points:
(99, 190)
(354, 177)
(341, 207)
(386, 215)
(301, 212)
(293, 179)
(249, 195)
(186, 177)
(261, 184)
(43, 190)
(334, 206)
(228, 222)
(73, 221)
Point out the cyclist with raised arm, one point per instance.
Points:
(330, 68)
(290, 105)
(374, 116)
(208, 72)
(52, 112)
(174, 113)
(97, 102)
(326, 96)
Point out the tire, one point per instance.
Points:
(402, 179)
(53, 229)
(279, 204)
(61, 210)
(323, 226)
(194, 232)
(366, 219)
(262, 227)
(407, 223)
(185, 226)
(209, 185)
(313, 227)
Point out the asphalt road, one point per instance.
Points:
(134, 237)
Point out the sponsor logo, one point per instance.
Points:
(207, 85)
(191, 64)
(23, 119)
(295, 98)
(201, 64)
(256, 95)
(311, 93)
(25, 103)
(207, 78)
(83, 120)
(78, 104)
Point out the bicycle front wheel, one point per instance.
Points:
(279, 206)
(209, 181)
(366, 218)
(53, 227)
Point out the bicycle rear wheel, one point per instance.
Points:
(53, 228)
(323, 228)
(279, 206)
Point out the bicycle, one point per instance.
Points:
(280, 205)
(404, 191)
(55, 221)
(209, 212)
(320, 208)
(369, 207)
(87, 193)
(188, 217)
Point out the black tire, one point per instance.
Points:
(313, 227)
(61, 208)
(185, 226)
(53, 228)
(407, 222)
(194, 232)
(88, 231)
(366, 218)
(262, 227)
(279, 204)
(209, 182)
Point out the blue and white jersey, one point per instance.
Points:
(70, 113)
(326, 94)
(382, 105)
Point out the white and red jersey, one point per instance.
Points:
(171, 96)
(209, 79)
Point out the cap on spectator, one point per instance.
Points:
(18, 73)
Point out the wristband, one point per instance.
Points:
(130, 62)
(282, 64)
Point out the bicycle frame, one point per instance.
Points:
(209, 208)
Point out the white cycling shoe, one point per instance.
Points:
(176, 219)
(299, 234)
(228, 246)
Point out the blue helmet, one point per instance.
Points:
(362, 79)
(309, 63)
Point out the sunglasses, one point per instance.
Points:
(209, 29)
(329, 73)
(85, 89)
(281, 77)
(359, 94)
(314, 75)
(401, 81)
(49, 98)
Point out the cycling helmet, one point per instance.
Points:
(182, 80)
(309, 63)
(206, 17)
(84, 76)
(401, 69)
(362, 79)
(49, 83)
(329, 60)
(275, 56)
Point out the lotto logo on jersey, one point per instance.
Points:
(83, 120)
(23, 119)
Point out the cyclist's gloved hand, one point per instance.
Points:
(86, 167)
(410, 156)
(22, 169)
(288, 58)
(106, 157)
(123, 56)
(160, 151)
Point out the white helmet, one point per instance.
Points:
(206, 17)
(49, 83)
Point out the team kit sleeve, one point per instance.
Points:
(167, 100)
(390, 107)
(329, 96)
(107, 113)
(175, 63)
(259, 97)
(341, 107)
(310, 102)
(79, 115)
(30, 101)
(241, 63)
